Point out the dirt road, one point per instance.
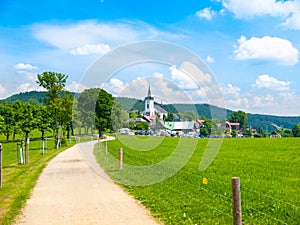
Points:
(72, 191)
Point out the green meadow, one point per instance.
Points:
(174, 191)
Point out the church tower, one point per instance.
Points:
(149, 104)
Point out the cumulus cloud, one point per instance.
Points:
(206, 13)
(114, 86)
(267, 48)
(184, 80)
(75, 87)
(23, 66)
(288, 11)
(210, 59)
(266, 81)
(98, 49)
(3, 91)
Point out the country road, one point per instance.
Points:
(73, 189)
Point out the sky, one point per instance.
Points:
(251, 49)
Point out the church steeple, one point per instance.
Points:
(149, 104)
(149, 91)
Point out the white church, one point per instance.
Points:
(151, 110)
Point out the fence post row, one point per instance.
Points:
(236, 201)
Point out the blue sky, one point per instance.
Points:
(251, 47)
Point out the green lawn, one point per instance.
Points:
(269, 170)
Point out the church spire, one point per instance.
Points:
(149, 91)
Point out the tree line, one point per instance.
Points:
(62, 112)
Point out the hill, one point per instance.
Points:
(254, 120)
(25, 96)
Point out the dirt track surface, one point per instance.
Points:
(73, 189)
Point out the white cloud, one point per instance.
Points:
(3, 91)
(210, 59)
(91, 36)
(266, 81)
(267, 48)
(288, 10)
(98, 49)
(75, 87)
(22, 66)
(28, 86)
(184, 80)
(114, 86)
(206, 13)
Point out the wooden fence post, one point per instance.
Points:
(120, 159)
(236, 201)
(0, 165)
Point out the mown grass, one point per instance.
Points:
(268, 168)
(18, 180)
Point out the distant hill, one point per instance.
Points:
(254, 120)
(25, 96)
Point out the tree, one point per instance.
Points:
(54, 83)
(44, 119)
(296, 130)
(86, 106)
(116, 116)
(239, 117)
(26, 120)
(103, 111)
(7, 113)
(170, 117)
(205, 130)
(65, 112)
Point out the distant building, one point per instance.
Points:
(151, 110)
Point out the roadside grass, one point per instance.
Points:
(268, 168)
(19, 180)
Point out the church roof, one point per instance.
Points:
(160, 109)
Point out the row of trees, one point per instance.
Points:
(93, 108)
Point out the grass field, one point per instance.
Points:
(269, 170)
(18, 180)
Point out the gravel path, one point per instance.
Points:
(73, 189)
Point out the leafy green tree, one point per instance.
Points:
(86, 107)
(239, 117)
(116, 116)
(205, 130)
(234, 133)
(296, 130)
(26, 120)
(142, 126)
(54, 83)
(103, 111)
(133, 115)
(170, 117)
(7, 113)
(44, 119)
(288, 133)
(65, 112)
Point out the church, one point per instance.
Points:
(152, 111)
